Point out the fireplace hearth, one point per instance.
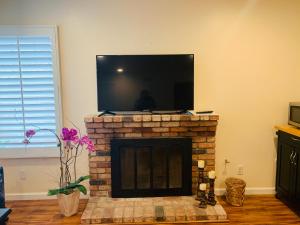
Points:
(144, 167)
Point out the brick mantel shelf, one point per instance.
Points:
(201, 128)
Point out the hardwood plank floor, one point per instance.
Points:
(262, 209)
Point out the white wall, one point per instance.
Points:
(247, 66)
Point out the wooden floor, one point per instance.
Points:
(256, 210)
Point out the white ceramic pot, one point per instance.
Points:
(68, 204)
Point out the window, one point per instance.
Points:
(29, 85)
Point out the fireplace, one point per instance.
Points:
(143, 169)
(151, 166)
(103, 130)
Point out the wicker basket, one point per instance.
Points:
(235, 189)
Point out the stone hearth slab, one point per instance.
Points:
(178, 209)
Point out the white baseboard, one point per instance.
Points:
(251, 191)
(43, 195)
(34, 196)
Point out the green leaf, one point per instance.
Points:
(66, 190)
(70, 187)
(82, 189)
(53, 192)
(82, 178)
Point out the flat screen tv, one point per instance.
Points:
(145, 82)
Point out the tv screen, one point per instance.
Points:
(145, 82)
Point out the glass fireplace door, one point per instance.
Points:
(151, 167)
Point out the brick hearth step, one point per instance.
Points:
(103, 210)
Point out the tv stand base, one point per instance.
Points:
(106, 112)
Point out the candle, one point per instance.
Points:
(201, 163)
(211, 174)
(202, 187)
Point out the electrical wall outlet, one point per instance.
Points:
(240, 169)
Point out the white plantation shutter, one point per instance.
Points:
(28, 89)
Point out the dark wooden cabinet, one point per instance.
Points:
(297, 175)
(288, 169)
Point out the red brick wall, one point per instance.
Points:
(101, 130)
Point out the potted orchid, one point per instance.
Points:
(71, 144)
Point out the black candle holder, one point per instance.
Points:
(211, 193)
(200, 180)
(202, 199)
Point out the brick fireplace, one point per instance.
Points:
(200, 128)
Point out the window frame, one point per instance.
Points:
(52, 32)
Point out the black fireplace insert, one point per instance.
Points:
(144, 167)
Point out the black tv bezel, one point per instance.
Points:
(134, 111)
